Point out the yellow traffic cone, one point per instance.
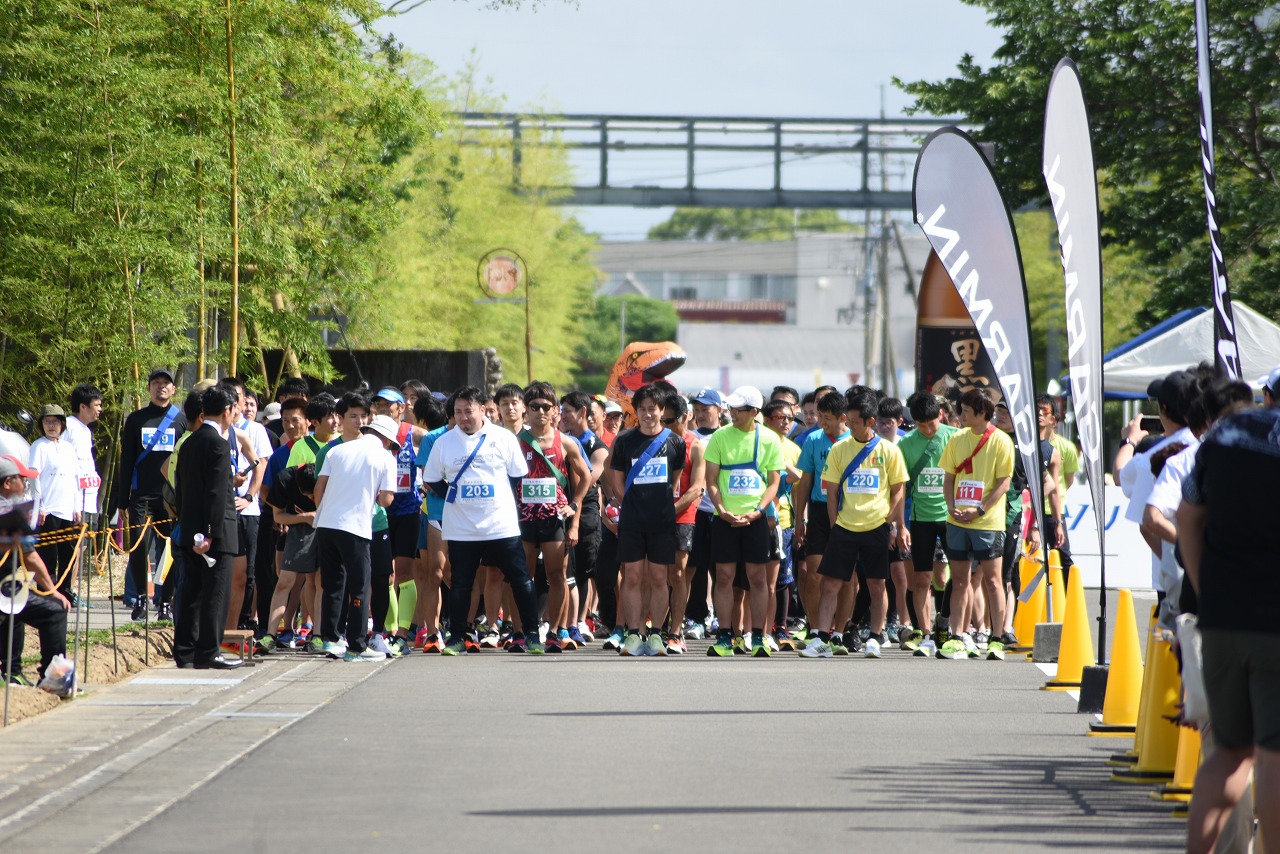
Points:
(1075, 651)
(1158, 749)
(1184, 769)
(1130, 757)
(1124, 676)
(1032, 611)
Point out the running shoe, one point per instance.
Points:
(873, 648)
(927, 649)
(236, 649)
(316, 645)
(533, 646)
(264, 645)
(817, 648)
(740, 646)
(454, 647)
(722, 648)
(910, 641)
(287, 639)
(490, 639)
(367, 654)
(583, 635)
(421, 637)
(578, 638)
(970, 646)
(399, 646)
(953, 649)
(378, 643)
(653, 644)
(771, 644)
(837, 645)
(995, 651)
(675, 645)
(894, 632)
(553, 644)
(471, 643)
(517, 644)
(304, 633)
(633, 645)
(759, 649)
(981, 639)
(694, 630)
(786, 643)
(335, 649)
(614, 640)
(431, 643)
(566, 640)
(1009, 639)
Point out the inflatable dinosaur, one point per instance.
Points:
(641, 363)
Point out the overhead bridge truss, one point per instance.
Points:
(600, 147)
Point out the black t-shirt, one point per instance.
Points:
(649, 505)
(588, 446)
(138, 431)
(286, 495)
(1235, 476)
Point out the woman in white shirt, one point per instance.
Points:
(57, 496)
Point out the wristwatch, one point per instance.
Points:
(981, 512)
(1126, 441)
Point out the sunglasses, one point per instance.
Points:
(540, 407)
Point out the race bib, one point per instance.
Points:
(969, 493)
(90, 481)
(538, 490)
(404, 475)
(654, 471)
(475, 492)
(164, 443)
(863, 482)
(744, 482)
(930, 481)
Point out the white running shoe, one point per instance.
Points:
(873, 648)
(816, 648)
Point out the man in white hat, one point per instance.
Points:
(353, 477)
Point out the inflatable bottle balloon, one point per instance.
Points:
(950, 358)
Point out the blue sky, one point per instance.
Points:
(811, 58)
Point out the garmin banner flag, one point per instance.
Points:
(1073, 191)
(1226, 352)
(959, 206)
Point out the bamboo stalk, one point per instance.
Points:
(235, 200)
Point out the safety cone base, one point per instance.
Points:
(1143, 776)
(1055, 685)
(1171, 793)
(1100, 728)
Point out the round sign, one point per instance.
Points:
(501, 273)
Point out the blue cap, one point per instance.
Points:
(390, 394)
(709, 397)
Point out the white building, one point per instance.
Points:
(792, 312)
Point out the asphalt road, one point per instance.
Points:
(501, 752)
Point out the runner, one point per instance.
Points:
(779, 416)
(475, 468)
(574, 411)
(1013, 543)
(812, 523)
(644, 467)
(921, 452)
(889, 428)
(977, 466)
(708, 405)
(743, 470)
(867, 476)
(688, 494)
(550, 497)
(432, 554)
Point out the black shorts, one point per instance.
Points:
(381, 556)
(926, 541)
(684, 537)
(653, 546)
(542, 530)
(247, 541)
(700, 557)
(817, 529)
(749, 543)
(586, 552)
(740, 579)
(1012, 551)
(867, 551)
(404, 534)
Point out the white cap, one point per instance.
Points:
(611, 407)
(386, 427)
(744, 396)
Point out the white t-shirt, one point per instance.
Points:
(1136, 479)
(81, 438)
(1166, 495)
(357, 472)
(57, 489)
(483, 506)
(261, 445)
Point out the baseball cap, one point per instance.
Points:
(1272, 383)
(160, 372)
(709, 397)
(611, 407)
(745, 396)
(11, 466)
(270, 412)
(1168, 390)
(384, 426)
(390, 394)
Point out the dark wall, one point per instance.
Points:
(441, 370)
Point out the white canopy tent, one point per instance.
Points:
(1183, 340)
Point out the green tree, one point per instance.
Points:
(747, 224)
(1137, 59)
(603, 336)
(467, 206)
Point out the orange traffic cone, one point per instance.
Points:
(1124, 676)
(1075, 651)
(1158, 749)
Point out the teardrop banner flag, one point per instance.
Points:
(1226, 352)
(1073, 191)
(958, 204)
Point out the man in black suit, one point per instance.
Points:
(206, 510)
